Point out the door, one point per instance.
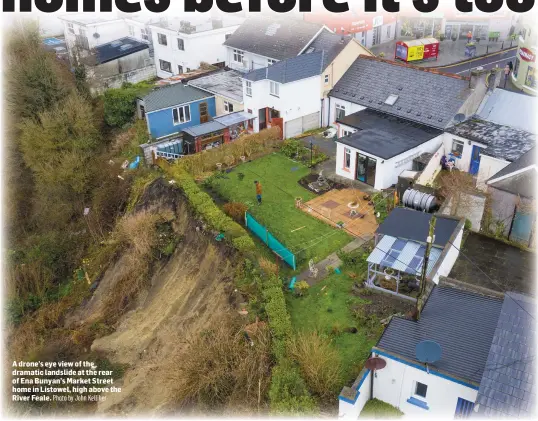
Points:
(522, 227)
(366, 167)
(475, 160)
(261, 119)
(204, 115)
(294, 127)
(464, 409)
(377, 35)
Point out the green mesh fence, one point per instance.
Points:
(269, 239)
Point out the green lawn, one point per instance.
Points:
(328, 308)
(375, 408)
(279, 177)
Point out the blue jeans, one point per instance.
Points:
(259, 198)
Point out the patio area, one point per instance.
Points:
(348, 208)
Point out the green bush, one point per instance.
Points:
(120, 103)
(243, 244)
(288, 393)
(468, 225)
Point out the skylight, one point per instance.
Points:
(126, 47)
(391, 100)
(116, 43)
(271, 29)
(310, 50)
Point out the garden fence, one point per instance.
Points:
(263, 234)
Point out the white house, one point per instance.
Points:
(182, 45)
(262, 41)
(87, 31)
(447, 387)
(375, 148)
(286, 94)
(477, 367)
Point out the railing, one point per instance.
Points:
(168, 155)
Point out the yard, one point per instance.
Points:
(279, 176)
(350, 314)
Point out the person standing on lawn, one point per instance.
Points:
(258, 192)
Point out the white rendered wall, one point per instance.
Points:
(463, 163)
(489, 166)
(450, 257)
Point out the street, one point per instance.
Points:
(499, 59)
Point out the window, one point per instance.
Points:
(248, 85)
(326, 78)
(182, 114)
(166, 66)
(228, 107)
(274, 88)
(346, 132)
(340, 111)
(70, 28)
(238, 56)
(180, 69)
(188, 69)
(421, 389)
(530, 81)
(161, 39)
(131, 30)
(145, 34)
(347, 158)
(180, 44)
(457, 148)
(270, 61)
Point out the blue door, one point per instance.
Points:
(475, 160)
(463, 408)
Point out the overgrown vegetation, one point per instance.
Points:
(120, 103)
(377, 409)
(295, 149)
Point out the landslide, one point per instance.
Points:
(187, 293)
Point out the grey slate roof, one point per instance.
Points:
(277, 38)
(424, 96)
(526, 160)
(383, 135)
(290, 70)
(503, 142)
(204, 128)
(171, 96)
(118, 48)
(331, 43)
(462, 323)
(522, 184)
(410, 224)
(228, 84)
(508, 386)
(510, 109)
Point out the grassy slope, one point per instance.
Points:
(279, 177)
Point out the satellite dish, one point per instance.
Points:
(96, 35)
(375, 363)
(459, 117)
(428, 352)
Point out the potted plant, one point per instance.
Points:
(381, 54)
(454, 37)
(441, 37)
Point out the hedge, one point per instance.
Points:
(205, 207)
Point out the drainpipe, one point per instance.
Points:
(321, 112)
(329, 112)
(512, 223)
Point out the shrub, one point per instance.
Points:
(468, 224)
(301, 288)
(120, 103)
(243, 244)
(270, 268)
(319, 362)
(235, 210)
(288, 392)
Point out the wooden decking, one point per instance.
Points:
(332, 207)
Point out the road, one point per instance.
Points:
(499, 59)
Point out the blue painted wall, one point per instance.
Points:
(161, 123)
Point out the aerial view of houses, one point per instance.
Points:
(272, 215)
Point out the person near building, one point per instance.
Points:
(469, 36)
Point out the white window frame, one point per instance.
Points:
(270, 62)
(239, 56)
(181, 44)
(228, 107)
(339, 107)
(160, 38)
(181, 113)
(132, 31)
(248, 88)
(346, 132)
(161, 66)
(274, 88)
(326, 79)
(347, 153)
(459, 143)
(145, 35)
(70, 28)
